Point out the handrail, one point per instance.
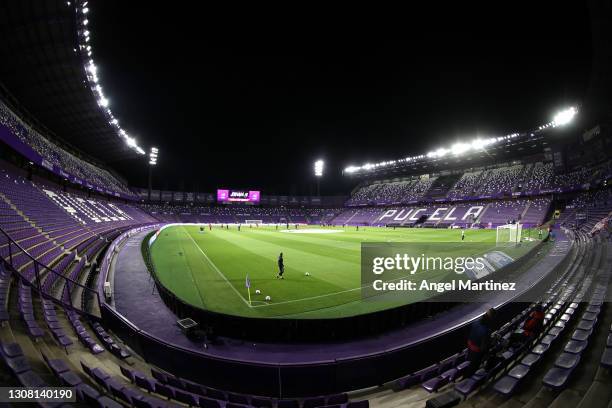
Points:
(39, 267)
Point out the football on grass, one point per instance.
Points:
(268, 298)
(258, 291)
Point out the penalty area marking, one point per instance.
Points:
(311, 231)
(217, 269)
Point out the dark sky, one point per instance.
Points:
(250, 98)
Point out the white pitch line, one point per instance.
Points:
(217, 269)
(309, 298)
(325, 295)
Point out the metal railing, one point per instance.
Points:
(49, 283)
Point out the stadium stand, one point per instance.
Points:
(57, 156)
(498, 182)
(47, 343)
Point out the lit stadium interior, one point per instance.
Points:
(201, 210)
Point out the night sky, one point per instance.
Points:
(250, 98)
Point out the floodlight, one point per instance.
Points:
(564, 117)
(459, 148)
(318, 168)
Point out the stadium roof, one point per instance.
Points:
(44, 74)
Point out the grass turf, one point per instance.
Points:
(208, 269)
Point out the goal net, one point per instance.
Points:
(509, 234)
(253, 221)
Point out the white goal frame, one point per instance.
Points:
(256, 222)
(509, 234)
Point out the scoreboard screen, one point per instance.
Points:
(240, 196)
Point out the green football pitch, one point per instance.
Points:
(208, 269)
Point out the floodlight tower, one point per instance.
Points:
(153, 154)
(318, 172)
(564, 117)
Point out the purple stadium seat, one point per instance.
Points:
(144, 382)
(209, 403)
(575, 347)
(144, 402)
(185, 397)
(548, 339)
(506, 385)
(540, 348)
(433, 384)
(11, 349)
(238, 398)
(581, 335)
(127, 373)
(556, 378)
(159, 376)
(518, 371)
(586, 324)
(530, 359)
(56, 365)
(84, 389)
(165, 390)
(469, 385)
(17, 364)
(567, 360)
(31, 379)
(70, 378)
(593, 309)
(100, 376)
(216, 394)
(106, 402)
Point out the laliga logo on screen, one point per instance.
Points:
(238, 194)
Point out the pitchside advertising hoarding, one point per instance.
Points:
(240, 196)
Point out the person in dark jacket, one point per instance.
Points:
(479, 341)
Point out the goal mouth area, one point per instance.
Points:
(253, 221)
(508, 234)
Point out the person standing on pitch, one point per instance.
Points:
(281, 267)
(462, 235)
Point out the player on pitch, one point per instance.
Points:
(281, 267)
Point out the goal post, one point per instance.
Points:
(253, 221)
(509, 234)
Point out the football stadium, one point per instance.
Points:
(201, 210)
